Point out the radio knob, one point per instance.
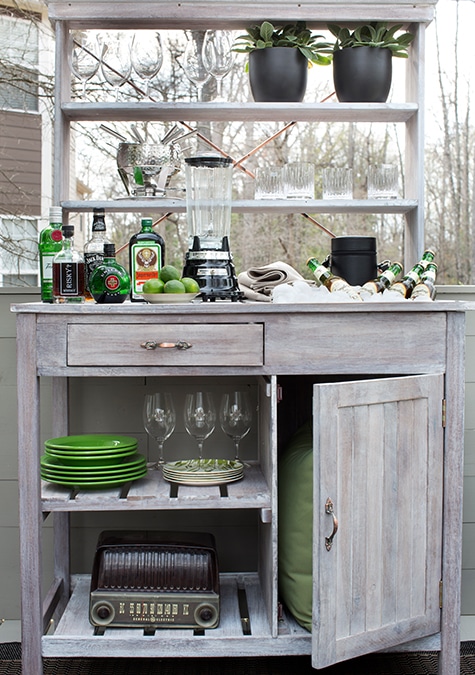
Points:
(103, 612)
(206, 614)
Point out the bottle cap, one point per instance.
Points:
(109, 250)
(56, 214)
(98, 222)
(68, 231)
(147, 221)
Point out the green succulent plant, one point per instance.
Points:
(295, 35)
(375, 34)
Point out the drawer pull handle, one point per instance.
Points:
(151, 344)
(330, 512)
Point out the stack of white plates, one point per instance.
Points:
(92, 461)
(203, 471)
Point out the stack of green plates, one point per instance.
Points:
(203, 471)
(92, 461)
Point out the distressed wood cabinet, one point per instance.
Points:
(388, 390)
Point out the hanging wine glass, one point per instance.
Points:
(83, 56)
(235, 416)
(193, 65)
(200, 417)
(147, 55)
(116, 65)
(218, 57)
(159, 419)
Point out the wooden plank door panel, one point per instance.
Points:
(378, 451)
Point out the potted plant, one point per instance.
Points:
(279, 57)
(362, 60)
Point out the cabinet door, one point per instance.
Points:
(378, 449)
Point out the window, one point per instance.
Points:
(18, 252)
(18, 63)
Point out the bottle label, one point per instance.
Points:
(56, 235)
(112, 282)
(92, 260)
(69, 279)
(145, 264)
(389, 276)
(47, 266)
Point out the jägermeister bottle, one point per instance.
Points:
(109, 281)
(426, 287)
(50, 243)
(325, 278)
(383, 281)
(146, 258)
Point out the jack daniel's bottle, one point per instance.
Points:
(146, 258)
(325, 278)
(94, 248)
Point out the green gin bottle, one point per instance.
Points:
(50, 243)
(109, 282)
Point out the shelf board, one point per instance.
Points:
(239, 112)
(74, 635)
(283, 206)
(154, 493)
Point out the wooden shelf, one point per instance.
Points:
(74, 635)
(240, 112)
(154, 493)
(284, 206)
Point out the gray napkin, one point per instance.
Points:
(257, 283)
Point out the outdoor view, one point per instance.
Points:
(26, 84)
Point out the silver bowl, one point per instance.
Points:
(146, 168)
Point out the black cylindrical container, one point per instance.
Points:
(354, 259)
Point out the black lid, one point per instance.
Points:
(353, 243)
(68, 231)
(109, 250)
(98, 222)
(210, 161)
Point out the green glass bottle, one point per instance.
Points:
(325, 278)
(109, 281)
(426, 287)
(383, 281)
(409, 280)
(146, 258)
(50, 243)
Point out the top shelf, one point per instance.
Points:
(222, 14)
(239, 112)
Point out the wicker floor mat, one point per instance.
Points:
(421, 663)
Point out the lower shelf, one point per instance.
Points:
(74, 635)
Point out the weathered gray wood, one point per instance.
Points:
(378, 448)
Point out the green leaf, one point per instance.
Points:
(266, 31)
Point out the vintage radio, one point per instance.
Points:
(155, 580)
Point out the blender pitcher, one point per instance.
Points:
(208, 209)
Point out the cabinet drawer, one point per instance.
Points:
(168, 344)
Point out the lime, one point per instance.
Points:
(153, 286)
(191, 286)
(168, 272)
(174, 286)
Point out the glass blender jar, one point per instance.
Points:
(208, 208)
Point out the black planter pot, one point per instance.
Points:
(278, 74)
(362, 74)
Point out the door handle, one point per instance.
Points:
(151, 344)
(329, 511)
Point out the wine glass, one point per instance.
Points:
(193, 65)
(200, 417)
(217, 56)
(235, 416)
(147, 55)
(116, 65)
(159, 419)
(83, 56)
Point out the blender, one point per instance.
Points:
(208, 208)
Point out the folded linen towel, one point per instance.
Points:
(257, 283)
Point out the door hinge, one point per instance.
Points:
(444, 412)
(441, 593)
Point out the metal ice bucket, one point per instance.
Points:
(146, 168)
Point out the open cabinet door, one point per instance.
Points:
(378, 450)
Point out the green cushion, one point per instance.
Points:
(295, 525)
